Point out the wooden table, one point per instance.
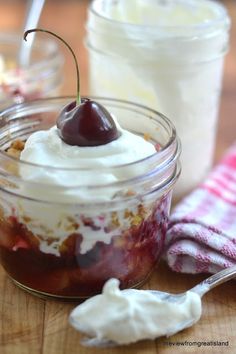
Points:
(31, 325)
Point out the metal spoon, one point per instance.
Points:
(200, 289)
(31, 22)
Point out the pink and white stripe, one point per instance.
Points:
(202, 229)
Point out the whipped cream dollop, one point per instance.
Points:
(47, 148)
(131, 315)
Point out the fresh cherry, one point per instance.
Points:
(86, 122)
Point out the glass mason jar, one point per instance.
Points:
(168, 55)
(64, 240)
(40, 77)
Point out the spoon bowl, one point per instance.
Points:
(200, 289)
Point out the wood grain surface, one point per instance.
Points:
(29, 325)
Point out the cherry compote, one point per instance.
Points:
(129, 257)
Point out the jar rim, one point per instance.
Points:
(163, 171)
(162, 152)
(222, 17)
(163, 189)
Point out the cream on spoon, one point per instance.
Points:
(118, 317)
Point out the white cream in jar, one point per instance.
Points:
(167, 54)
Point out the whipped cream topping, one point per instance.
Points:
(47, 148)
(132, 315)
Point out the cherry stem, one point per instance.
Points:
(78, 100)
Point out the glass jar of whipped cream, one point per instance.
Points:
(72, 217)
(40, 75)
(167, 54)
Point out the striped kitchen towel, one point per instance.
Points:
(202, 231)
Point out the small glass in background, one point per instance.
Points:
(42, 77)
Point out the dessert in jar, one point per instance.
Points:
(41, 76)
(170, 56)
(85, 192)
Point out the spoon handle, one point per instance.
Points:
(214, 280)
(31, 22)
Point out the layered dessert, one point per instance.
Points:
(47, 249)
(85, 190)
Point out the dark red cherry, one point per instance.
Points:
(84, 122)
(88, 124)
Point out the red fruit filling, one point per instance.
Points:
(129, 257)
